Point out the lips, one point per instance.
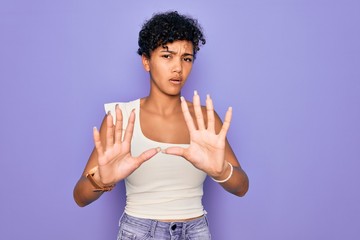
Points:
(176, 80)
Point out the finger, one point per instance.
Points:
(226, 125)
(109, 131)
(148, 154)
(178, 151)
(187, 116)
(97, 142)
(210, 114)
(130, 127)
(198, 113)
(118, 124)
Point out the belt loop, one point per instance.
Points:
(184, 230)
(153, 228)
(122, 216)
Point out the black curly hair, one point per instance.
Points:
(168, 27)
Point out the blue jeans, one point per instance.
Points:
(142, 229)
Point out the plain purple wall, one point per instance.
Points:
(290, 69)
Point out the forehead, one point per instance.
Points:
(179, 46)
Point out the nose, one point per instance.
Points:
(177, 67)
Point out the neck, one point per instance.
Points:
(162, 104)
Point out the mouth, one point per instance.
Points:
(175, 81)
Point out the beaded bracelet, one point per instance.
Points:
(231, 172)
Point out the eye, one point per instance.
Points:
(166, 56)
(187, 59)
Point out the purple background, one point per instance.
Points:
(290, 69)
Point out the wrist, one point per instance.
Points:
(96, 175)
(226, 175)
(95, 180)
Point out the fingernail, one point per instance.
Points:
(207, 96)
(195, 92)
(182, 98)
(117, 106)
(108, 113)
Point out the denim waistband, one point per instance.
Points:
(156, 225)
(160, 223)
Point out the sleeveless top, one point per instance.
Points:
(165, 186)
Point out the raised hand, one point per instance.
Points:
(207, 148)
(115, 162)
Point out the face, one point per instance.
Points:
(169, 66)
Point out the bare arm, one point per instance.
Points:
(238, 183)
(83, 191)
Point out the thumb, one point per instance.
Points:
(148, 154)
(178, 151)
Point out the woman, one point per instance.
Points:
(162, 145)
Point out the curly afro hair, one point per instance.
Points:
(168, 27)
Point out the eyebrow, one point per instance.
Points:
(173, 52)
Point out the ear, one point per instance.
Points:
(145, 61)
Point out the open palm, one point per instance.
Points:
(115, 162)
(207, 149)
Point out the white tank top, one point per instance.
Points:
(164, 187)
